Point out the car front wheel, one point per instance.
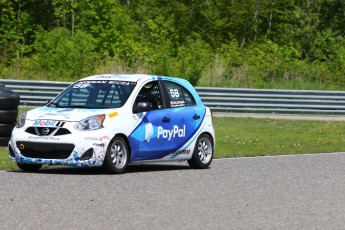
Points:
(117, 157)
(203, 152)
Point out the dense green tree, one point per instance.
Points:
(241, 43)
(8, 33)
(62, 56)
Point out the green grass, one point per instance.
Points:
(245, 137)
(5, 163)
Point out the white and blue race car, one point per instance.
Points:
(115, 120)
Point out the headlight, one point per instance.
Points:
(90, 123)
(21, 121)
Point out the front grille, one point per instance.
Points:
(31, 130)
(45, 150)
(45, 131)
(62, 131)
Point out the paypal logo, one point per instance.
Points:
(171, 133)
(148, 131)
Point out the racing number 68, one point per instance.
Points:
(174, 93)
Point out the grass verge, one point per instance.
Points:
(246, 137)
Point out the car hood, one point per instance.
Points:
(65, 114)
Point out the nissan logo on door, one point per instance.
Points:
(45, 131)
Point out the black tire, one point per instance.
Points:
(8, 116)
(6, 130)
(8, 100)
(4, 141)
(203, 152)
(29, 167)
(117, 156)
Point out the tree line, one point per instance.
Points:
(234, 43)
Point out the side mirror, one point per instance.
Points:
(142, 106)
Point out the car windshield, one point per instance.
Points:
(94, 95)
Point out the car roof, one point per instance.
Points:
(129, 77)
(119, 77)
(143, 77)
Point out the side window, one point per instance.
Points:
(178, 96)
(151, 94)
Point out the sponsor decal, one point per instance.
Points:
(119, 82)
(91, 138)
(104, 76)
(55, 114)
(171, 133)
(44, 123)
(104, 138)
(177, 103)
(114, 114)
(81, 85)
(48, 123)
(98, 145)
(181, 152)
(43, 138)
(110, 76)
(85, 84)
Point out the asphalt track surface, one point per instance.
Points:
(284, 192)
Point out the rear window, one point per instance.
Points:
(178, 96)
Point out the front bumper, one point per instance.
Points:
(87, 148)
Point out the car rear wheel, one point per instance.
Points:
(203, 152)
(29, 167)
(117, 157)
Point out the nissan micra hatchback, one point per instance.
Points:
(116, 120)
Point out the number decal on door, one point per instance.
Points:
(174, 93)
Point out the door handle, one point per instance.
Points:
(196, 117)
(166, 120)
